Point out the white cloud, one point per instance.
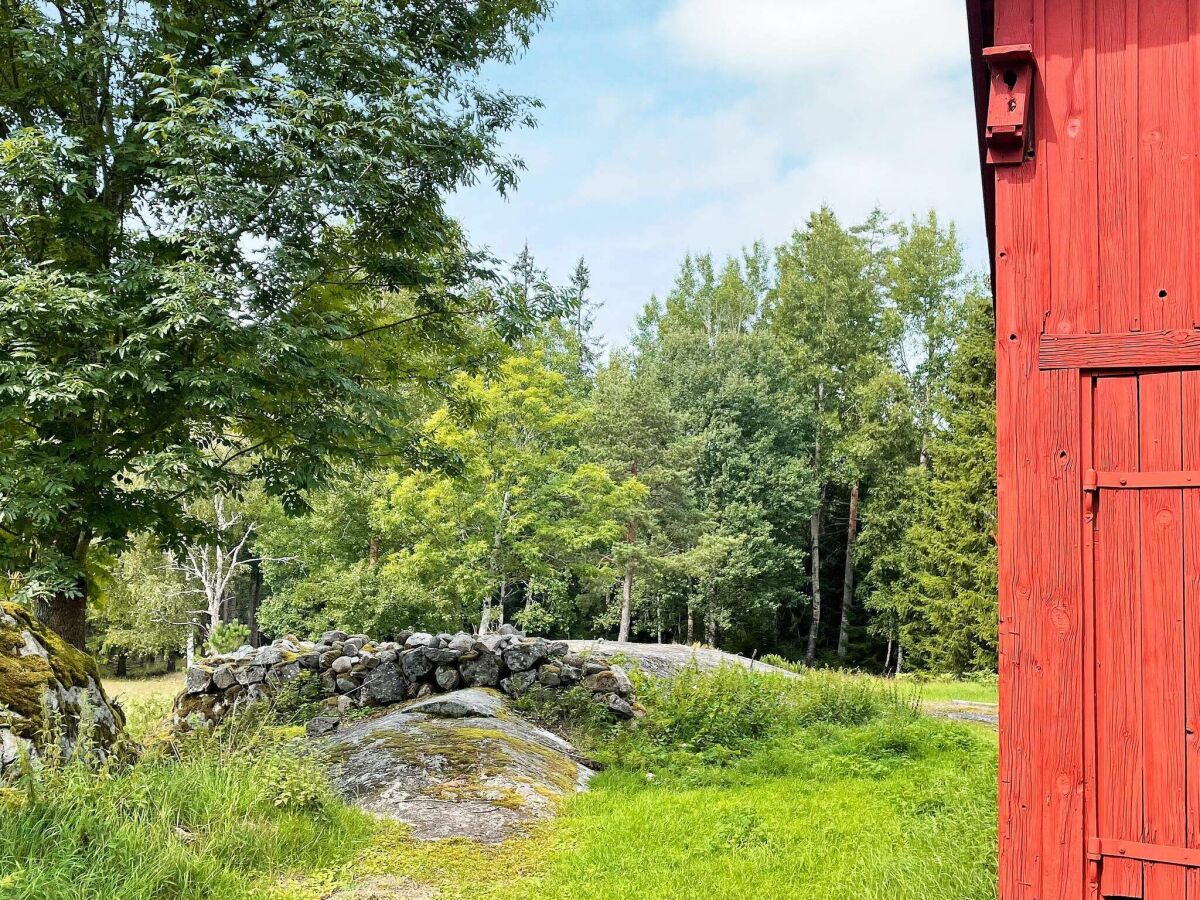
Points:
(854, 103)
(857, 104)
(662, 158)
(773, 38)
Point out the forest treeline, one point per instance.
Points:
(794, 453)
(255, 378)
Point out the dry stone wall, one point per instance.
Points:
(355, 670)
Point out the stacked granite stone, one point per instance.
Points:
(355, 670)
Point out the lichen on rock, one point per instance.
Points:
(50, 694)
(458, 765)
(357, 671)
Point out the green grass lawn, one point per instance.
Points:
(734, 786)
(896, 809)
(945, 690)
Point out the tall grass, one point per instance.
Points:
(211, 821)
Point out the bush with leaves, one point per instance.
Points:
(226, 638)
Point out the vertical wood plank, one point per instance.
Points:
(1069, 129)
(1060, 622)
(1022, 297)
(1163, 708)
(1050, 508)
(1117, 156)
(1118, 637)
(1018, 265)
(1167, 247)
(1191, 620)
(1165, 179)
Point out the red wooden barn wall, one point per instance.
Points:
(1097, 233)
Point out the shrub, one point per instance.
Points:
(725, 708)
(227, 637)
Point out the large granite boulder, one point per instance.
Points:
(460, 764)
(51, 698)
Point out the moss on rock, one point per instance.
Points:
(39, 671)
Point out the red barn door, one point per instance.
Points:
(1142, 560)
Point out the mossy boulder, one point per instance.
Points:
(456, 765)
(50, 695)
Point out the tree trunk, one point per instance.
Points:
(691, 625)
(373, 551)
(710, 625)
(66, 615)
(814, 527)
(887, 660)
(254, 601)
(121, 670)
(848, 580)
(485, 617)
(899, 657)
(627, 587)
(172, 663)
(216, 607)
(626, 604)
(485, 620)
(814, 627)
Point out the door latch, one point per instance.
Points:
(1091, 491)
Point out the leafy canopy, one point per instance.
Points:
(222, 238)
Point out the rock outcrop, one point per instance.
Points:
(668, 660)
(51, 699)
(355, 670)
(454, 765)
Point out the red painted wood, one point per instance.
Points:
(1018, 241)
(1116, 100)
(1164, 771)
(1133, 481)
(1064, 34)
(1069, 80)
(1170, 349)
(1118, 699)
(1131, 850)
(1191, 620)
(1087, 461)
(1020, 238)
(1165, 176)
(1097, 279)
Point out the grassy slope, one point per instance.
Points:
(851, 795)
(892, 810)
(760, 789)
(133, 690)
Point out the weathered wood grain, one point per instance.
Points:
(1118, 641)
(1164, 769)
(1177, 348)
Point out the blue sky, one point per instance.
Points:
(703, 125)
